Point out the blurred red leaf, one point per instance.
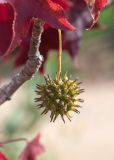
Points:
(32, 149)
(97, 6)
(24, 10)
(80, 17)
(2, 156)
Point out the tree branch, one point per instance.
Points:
(32, 65)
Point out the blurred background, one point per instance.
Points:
(90, 135)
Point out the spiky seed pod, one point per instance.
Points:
(59, 96)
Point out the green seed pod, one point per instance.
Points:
(59, 96)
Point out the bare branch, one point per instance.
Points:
(32, 65)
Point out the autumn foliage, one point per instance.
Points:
(16, 23)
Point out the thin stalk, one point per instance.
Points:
(12, 141)
(59, 54)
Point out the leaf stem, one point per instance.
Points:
(59, 54)
(12, 141)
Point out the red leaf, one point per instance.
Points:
(100, 4)
(2, 156)
(97, 6)
(80, 17)
(6, 20)
(32, 150)
(64, 3)
(24, 10)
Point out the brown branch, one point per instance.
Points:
(32, 65)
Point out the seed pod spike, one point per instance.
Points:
(78, 106)
(44, 111)
(75, 110)
(80, 100)
(46, 80)
(55, 117)
(79, 83)
(51, 116)
(49, 78)
(68, 116)
(62, 116)
(41, 106)
(38, 85)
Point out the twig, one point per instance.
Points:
(12, 141)
(32, 65)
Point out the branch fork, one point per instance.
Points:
(29, 69)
